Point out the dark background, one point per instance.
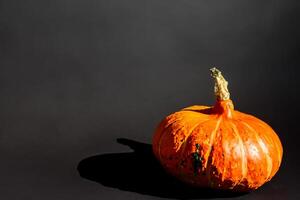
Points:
(76, 75)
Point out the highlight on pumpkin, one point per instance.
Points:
(217, 146)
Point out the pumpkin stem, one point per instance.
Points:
(221, 90)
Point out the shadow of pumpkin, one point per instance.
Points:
(140, 172)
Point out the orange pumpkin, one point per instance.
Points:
(218, 146)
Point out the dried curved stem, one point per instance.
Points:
(221, 90)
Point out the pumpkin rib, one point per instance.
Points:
(278, 148)
(255, 158)
(213, 158)
(263, 125)
(224, 157)
(258, 168)
(210, 156)
(244, 167)
(160, 129)
(257, 121)
(184, 143)
(164, 132)
(211, 140)
(269, 136)
(264, 149)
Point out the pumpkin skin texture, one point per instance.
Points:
(218, 147)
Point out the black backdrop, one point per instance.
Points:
(77, 75)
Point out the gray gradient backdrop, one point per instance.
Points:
(76, 75)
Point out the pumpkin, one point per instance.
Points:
(217, 146)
